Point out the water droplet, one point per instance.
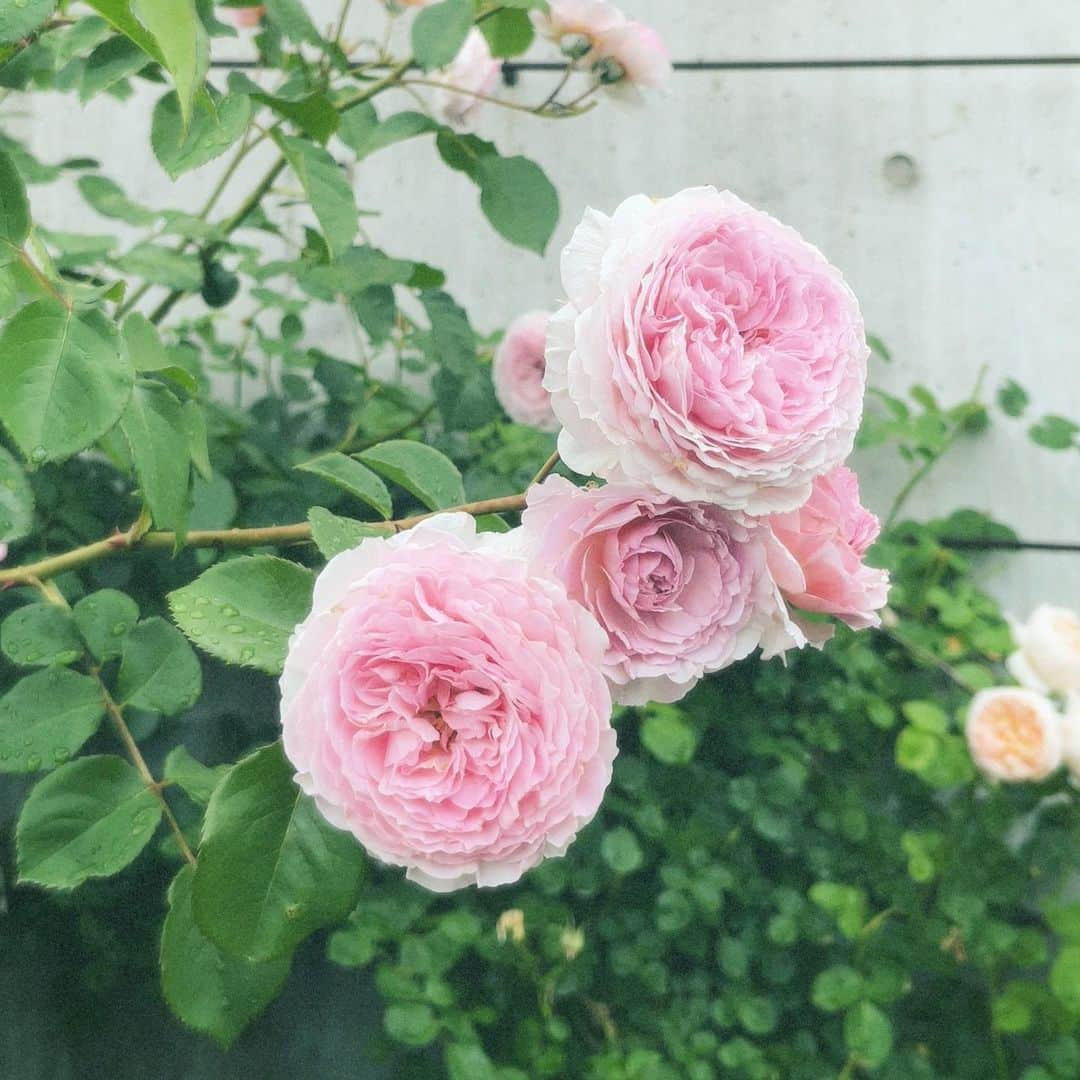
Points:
(247, 654)
(38, 455)
(119, 629)
(33, 762)
(234, 628)
(61, 754)
(229, 611)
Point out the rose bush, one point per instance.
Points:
(278, 620)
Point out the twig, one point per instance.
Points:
(546, 469)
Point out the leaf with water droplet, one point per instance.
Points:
(40, 634)
(104, 618)
(159, 670)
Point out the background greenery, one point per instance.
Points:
(796, 873)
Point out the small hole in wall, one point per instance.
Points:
(901, 171)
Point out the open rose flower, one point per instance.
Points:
(576, 26)
(681, 589)
(1014, 735)
(474, 71)
(818, 558)
(518, 372)
(1048, 657)
(706, 349)
(244, 18)
(444, 703)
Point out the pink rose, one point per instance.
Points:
(3, 552)
(444, 703)
(243, 18)
(1072, 736)
(518, 372)
(681, 589)
(632, 57)
(1014, 735)
(1048, 657)
(576, 25)
(818, 558)
(706, 349)
(473, 71)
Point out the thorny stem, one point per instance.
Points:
(546, 469)
(269, 536)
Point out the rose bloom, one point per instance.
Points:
(1014, 735)
(243, 18)
(444, 703)
(818, 557)
(576, 25)
(681, 589)
(3, 552)
(1048, 657)
(518, 372)
(473, 71)
(630, 58)
(706, 349)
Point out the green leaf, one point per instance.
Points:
(422, 471)
(351, 476)
(87, 819)
(16, 500)
(292, 19)
(454, 340)
(112, 61)
(668, 736)
(868, 1034)
(119, 15)
(105, 618)
(271, 869)
(196, 779)
(159, 265)
(183, 42)
(156, 431)
(327, 188)
(836, 988)
(63, 382)
(439, 31)
(159, 672)
(519, 200)
(207, 989)
(1065, 978)
(109, 200)
(468, 1061)
(411, 1023)
(1054, 433)
(333, 534)
(45, 719)
(143, 344)
(1013, 398)
(14, 207)
(20, 18)
(216, 124)
(621, 851)
(362, 132)
(40, 635)
(509, 32)
(312, 111)
(243, 611)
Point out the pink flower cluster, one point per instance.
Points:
(448, 700)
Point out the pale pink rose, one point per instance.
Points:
(682, 589)
(245, 18)
(518, 372)
(576, 25)
(1014, 735)
(632, 57)
(473, 71)
(3, 552)
(706, 349)
(818, 558)
(1048, 657)
(444, 703)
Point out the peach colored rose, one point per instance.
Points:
(707, 350)
(681, 589)
(1014, 735)
(518, 372)
(576, 25)
(818, 560)
(444, 703)
(244, 18)
(1048, 657)
(473, 71)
